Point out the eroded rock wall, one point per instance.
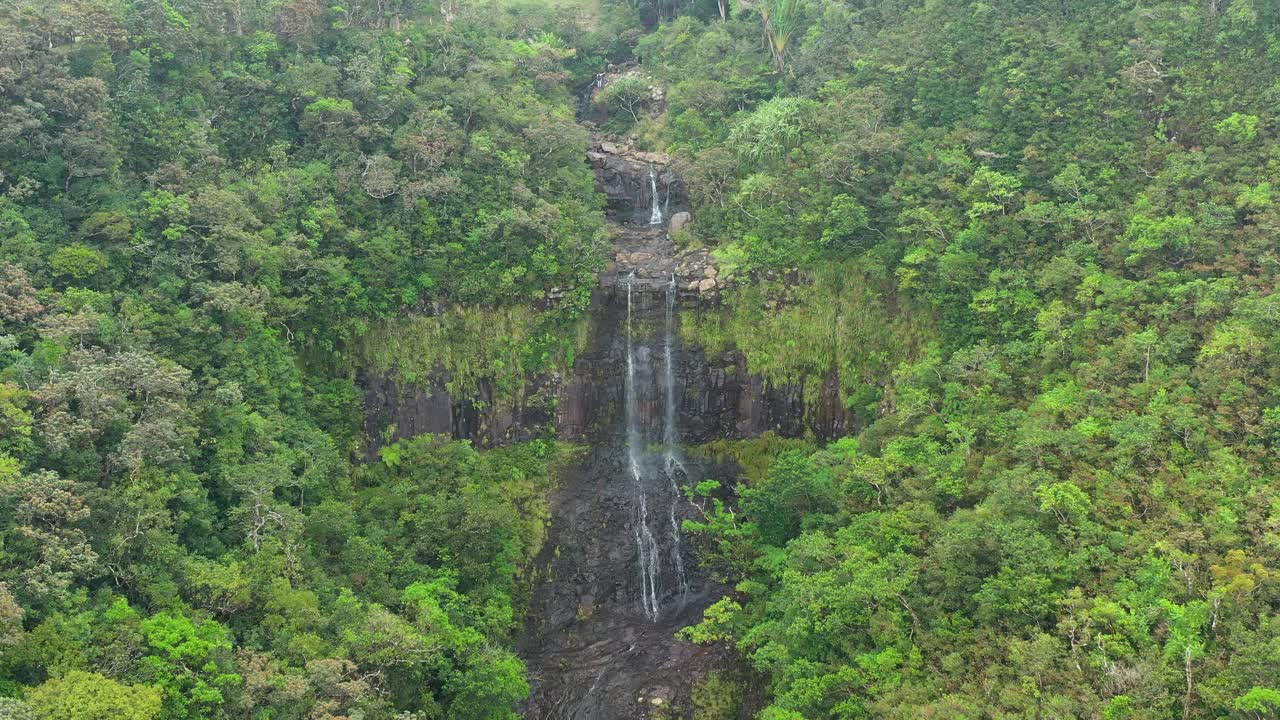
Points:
(629, 178)
(716, 395)
(395, 410)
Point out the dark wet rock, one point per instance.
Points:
(623, 175)
(716, 397)
(591, 650)
(394, 411)
(594, 649)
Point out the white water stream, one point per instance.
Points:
(641, 462)
(655, 215)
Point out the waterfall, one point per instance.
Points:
(655, 215)
(619, 579)
(670, 435)
(646, 545)
(642, 462)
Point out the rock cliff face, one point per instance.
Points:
(395, 411)
(617, 579)
(630, 179)
(718, 397)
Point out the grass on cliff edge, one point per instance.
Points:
(837, 318)
(469, 344)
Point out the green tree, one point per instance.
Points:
(82, 695)
(189, 661)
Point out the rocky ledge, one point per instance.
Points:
(630, 178)
(644, 250)
(649, 257)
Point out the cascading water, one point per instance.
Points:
(646, 544)
(593, 652)
(655, 215)
(670, 434)
(640, 461)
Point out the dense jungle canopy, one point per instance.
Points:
(1033, 245)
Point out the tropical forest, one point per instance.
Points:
(639, 359)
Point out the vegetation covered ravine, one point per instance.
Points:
(313, 359)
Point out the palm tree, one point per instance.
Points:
(779, 18)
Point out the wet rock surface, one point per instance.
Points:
(631, 179)
(647, 255)
(617, 579)
(591, 649)
(395, 411)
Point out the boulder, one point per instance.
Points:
(705, 285)
(679, 221)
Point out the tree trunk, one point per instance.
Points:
(1186, 699)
